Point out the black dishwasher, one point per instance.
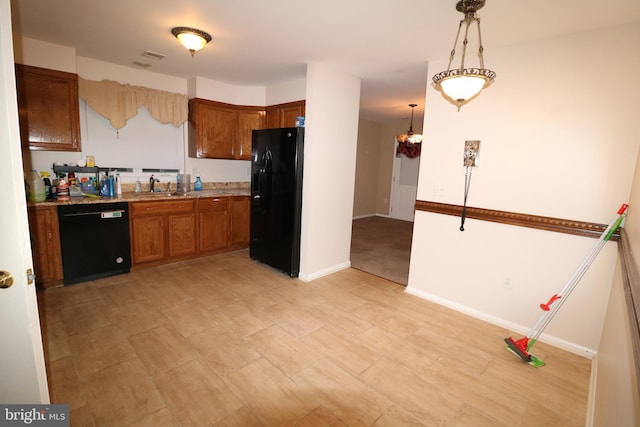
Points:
(95, 240)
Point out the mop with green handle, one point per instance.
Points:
(522, 346)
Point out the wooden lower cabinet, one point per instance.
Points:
(148, 236)
(182, 233)
(162, 231)
(45, 245)
(240, 220)
(213, 220)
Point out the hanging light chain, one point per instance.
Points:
(481, 48)
(455, 43)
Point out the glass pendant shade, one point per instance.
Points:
(460, 85)
(191, 38)
(411, 137)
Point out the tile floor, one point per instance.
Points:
(226, 341)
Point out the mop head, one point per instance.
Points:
(520, 348)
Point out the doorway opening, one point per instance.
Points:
(382, 232)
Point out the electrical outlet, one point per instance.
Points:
(471, 151)
(506, 282)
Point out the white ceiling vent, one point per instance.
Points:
(153, 55)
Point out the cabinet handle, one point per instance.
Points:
(148, 209)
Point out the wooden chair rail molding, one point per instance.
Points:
(567, 226)
(631, 285)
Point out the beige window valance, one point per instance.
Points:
(119, 102)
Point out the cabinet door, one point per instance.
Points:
(248, 120)
(182, 234)
(45, 242)
(48, 109)
(284, 115)
(288, 115)
(148, 238)
(213, 224)
(239, 218)
(214, 230)
(212, 129)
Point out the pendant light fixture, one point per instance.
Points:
(191, 38)
(461, 85)
(411, 137)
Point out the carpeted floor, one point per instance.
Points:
(382, 246)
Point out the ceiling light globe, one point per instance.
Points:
(463, 87)
(416, 138)
(191, 38)
(192, 42)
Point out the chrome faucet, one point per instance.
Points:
(152, 183)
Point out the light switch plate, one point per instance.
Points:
(471, 151)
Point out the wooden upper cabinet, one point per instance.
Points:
(224, 131)
(212, 129)
(284, 115)
(249, 118)
(48, 108)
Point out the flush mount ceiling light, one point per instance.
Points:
(191, 38)
(410, 137)
(461, 85)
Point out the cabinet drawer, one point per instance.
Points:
(213, 203)
(169, 206)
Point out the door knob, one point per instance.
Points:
(6, 279)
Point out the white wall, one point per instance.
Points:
(614, 392)
(333, 100)
(367, 164)
(557, 140)
(46, 55)
(286, 92)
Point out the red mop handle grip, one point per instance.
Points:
(623, 208)
(546, 306)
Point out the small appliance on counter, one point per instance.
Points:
(183, 183)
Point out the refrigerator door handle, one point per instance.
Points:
(264, 193)
(266, 196)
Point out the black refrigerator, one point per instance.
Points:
(276, 197)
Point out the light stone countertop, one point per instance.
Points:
(147, 196)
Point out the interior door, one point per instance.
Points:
(404, 187)
(22, 369)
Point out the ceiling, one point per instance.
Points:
(258, 43)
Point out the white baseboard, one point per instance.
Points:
(370, 215)
(548, 339)
(324, 272)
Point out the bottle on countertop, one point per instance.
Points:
(47, 184)
(36, 188)
(104, 185)
(197, 186)
(118, 185)
(63, 189)
(138, 185)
